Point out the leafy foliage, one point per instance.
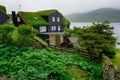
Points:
(33, 64)
(20, 36)
(95, 40)
(6, 32)
(25, 34)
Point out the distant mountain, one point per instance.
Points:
(98, 15)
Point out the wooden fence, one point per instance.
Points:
(69, 50)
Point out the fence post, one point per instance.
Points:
(61, 49)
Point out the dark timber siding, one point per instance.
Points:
(55, 23)
(3, 18)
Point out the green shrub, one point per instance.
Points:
(95, 40)
(6, 33)
(28, 63)
(25, 34)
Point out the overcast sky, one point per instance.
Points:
(64, 6)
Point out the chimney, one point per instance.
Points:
(14, 18)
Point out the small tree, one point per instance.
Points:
(25, 34)
(95, 40)
(19, 36)
(6, 33)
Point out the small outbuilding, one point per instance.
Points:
(70, 42)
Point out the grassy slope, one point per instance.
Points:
(77, 73)
(41, 61)
(116, 60)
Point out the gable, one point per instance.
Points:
(3, 17)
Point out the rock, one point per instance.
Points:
(110, 71)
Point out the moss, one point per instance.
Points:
(46, 12)
(2, 9)
(35, 18)
(116, 59)
(65, 22)
(41, 41)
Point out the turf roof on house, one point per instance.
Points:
(2, 9)
(35, 18)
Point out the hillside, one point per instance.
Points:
(102, 14)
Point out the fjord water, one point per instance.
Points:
(116, 26)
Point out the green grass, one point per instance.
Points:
(76, 73)
(116, 59)
(2, 9)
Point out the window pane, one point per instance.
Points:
(58, 28)
(58, 19)
(53, 28)
(43, 29)
(18, 19)
(53, 19)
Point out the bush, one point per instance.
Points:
(25, 34)
(95, 40)
(18, 36)
(28, 63)
(6, 33)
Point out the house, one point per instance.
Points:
(70, 42)
(49, 23)
(3, 15)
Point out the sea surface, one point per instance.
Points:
(116, 26)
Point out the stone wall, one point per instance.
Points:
(110, 71)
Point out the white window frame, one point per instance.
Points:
(53, 19)
(42, 29)
(59, 28)
(53, 28)
(58, 19)
(18, 19)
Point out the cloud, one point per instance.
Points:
(64, 6)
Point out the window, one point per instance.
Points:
(18, 19)
(53, 19)
(42, 29)
(58, 19)
(59, 28)
(53, 28)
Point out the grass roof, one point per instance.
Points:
(2, 9)
(65, 22)
(35, 18)
(46, 12)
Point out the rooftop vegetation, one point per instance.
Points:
(32, 18)
(2, 9)
(35, 18)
